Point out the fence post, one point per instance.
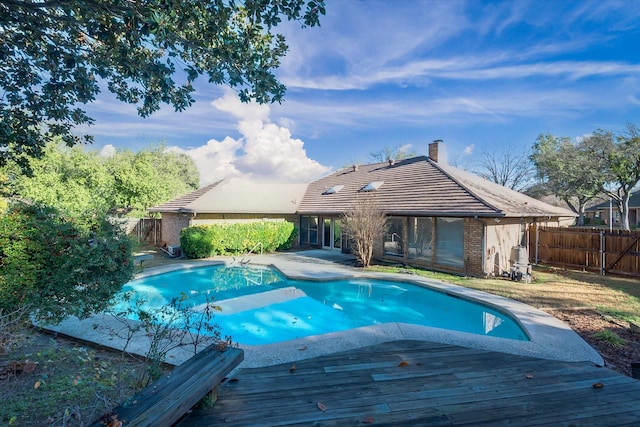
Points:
(537, 243)
(602, 254)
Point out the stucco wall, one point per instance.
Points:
(500, 239)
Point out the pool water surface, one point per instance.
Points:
(261, 306)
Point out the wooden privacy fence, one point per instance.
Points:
(148, 230)
(605, 251)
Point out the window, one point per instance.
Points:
(393, 242)
(372, 186)
(313, 230)
(450, 241)
(334, 189)
(421, 238)
(308, 230)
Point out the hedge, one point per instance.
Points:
(203, 241)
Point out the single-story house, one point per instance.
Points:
(607, 211)
(439, 217)
(228, 201)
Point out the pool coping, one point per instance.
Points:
(550, 338)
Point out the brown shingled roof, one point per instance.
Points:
(420, 186)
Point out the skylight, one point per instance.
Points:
(334, 189)
(372, 186)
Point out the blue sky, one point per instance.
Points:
(485, 77)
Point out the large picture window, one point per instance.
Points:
(393, 243)
(421, 238)
(450, 241)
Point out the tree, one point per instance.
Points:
(568, 171)
(620, 157)
(86, 185)
(54, 267)
(509, 169)
(364, 225)
(70, 180)
(56, 56)
(149, 177)
(392, 153)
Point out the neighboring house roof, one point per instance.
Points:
(634, 202)
(420, 186)
(234, 195)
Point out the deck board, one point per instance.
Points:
(414, 383)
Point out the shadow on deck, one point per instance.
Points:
(416, 383)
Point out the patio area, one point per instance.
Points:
(418, 383)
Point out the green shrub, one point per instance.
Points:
(55, 267)
(204, 241)
(197, 242)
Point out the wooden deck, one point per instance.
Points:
(415, 383)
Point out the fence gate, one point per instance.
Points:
(148, 231)
(605, 251)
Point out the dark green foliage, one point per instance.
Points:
(203, 241)
(55, 267)
(198, 241)
(57, 55)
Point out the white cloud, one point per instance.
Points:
(108, 151)
(265, 151)
(230, 103)
(468, 150)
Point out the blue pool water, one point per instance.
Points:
(260, 306)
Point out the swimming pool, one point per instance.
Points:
(261, 306)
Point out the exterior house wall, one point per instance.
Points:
(172, 224)
(474, 232)
(500, 239)
(473, 259)
(487, 246)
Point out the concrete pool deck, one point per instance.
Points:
(549, 337)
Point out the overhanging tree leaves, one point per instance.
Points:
(57, 55)
(568, 171)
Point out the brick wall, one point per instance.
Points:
(473, 253)
(172, 224)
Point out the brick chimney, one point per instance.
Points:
(438, 152)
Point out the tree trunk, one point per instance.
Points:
(623, 207)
